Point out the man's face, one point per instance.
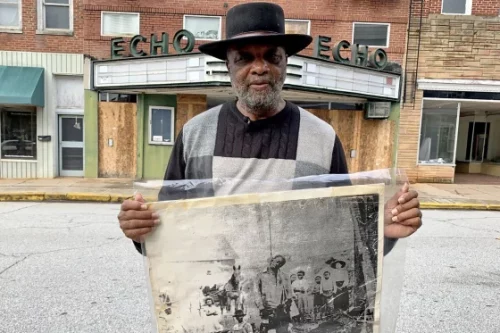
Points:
(239, 319)
(277, 262)
(318, 279)
(326, 275)
(300, 276)
(257, 74)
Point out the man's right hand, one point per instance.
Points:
(136, 220)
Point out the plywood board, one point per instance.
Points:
(188, 106)
(117, 139)
(376, 144)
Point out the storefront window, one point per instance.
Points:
(18, 134)
(438, 133)
(161, 125)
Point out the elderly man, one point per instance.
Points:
(260, 136)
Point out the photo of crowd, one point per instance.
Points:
(299, 269)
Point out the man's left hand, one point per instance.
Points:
(402, 214)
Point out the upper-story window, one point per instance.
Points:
(120, 24)
(10, 15)
(203, 27)
(457, 7)
(371, 34)
(55, 16)
(297, 26)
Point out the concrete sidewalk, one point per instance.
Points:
(437, 196)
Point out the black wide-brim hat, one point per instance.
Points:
(256, 23)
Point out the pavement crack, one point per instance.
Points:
(8, 255)
(466, 227)
(75, 248)
(14, 264)
(16, 210)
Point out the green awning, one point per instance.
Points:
(22, 86)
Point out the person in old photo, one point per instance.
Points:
(275, 294)
(259, 136)
(300, 288)
(241, 325)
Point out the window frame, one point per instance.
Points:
(119, 34)
(42, 22)
(301, 20)
(457, 124)
(468, 8)
(388, 39)
(19, 27)
(172, 126)
(219, 37)
(33, 110)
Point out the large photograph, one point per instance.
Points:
(296, 261)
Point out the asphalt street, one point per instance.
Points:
(66, 267)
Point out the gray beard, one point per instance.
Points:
(261, 102)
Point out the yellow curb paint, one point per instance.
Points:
(88, 197)
(55, 196)
(22, 196)
(459, 206)
(119, 198)
(151, 199)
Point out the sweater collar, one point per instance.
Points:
(278, 118)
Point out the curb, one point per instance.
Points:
(119, 198)
(71, 196)
(459, 206)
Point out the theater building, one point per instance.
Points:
(135, 139)
(144, 79)
(450, 115)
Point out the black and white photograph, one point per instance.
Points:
(295, 261)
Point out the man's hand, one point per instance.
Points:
(136, 220)
(402, 214)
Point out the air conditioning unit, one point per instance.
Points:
(377, 110)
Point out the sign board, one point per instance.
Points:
(184, 41)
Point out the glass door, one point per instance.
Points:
(71, 146)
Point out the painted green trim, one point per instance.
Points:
(140, 135)
(395, 117)
(91, 118)
(155, 157)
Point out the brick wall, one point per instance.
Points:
(329, 18)
(30, 41)
(452, 47)
(479, 7)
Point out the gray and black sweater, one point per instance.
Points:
(222, 152)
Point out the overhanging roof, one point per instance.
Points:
(22, 86)
(184, 73)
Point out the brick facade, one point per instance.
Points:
(479, 7)
(452, 47)
(328, 18)
(29, 40)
